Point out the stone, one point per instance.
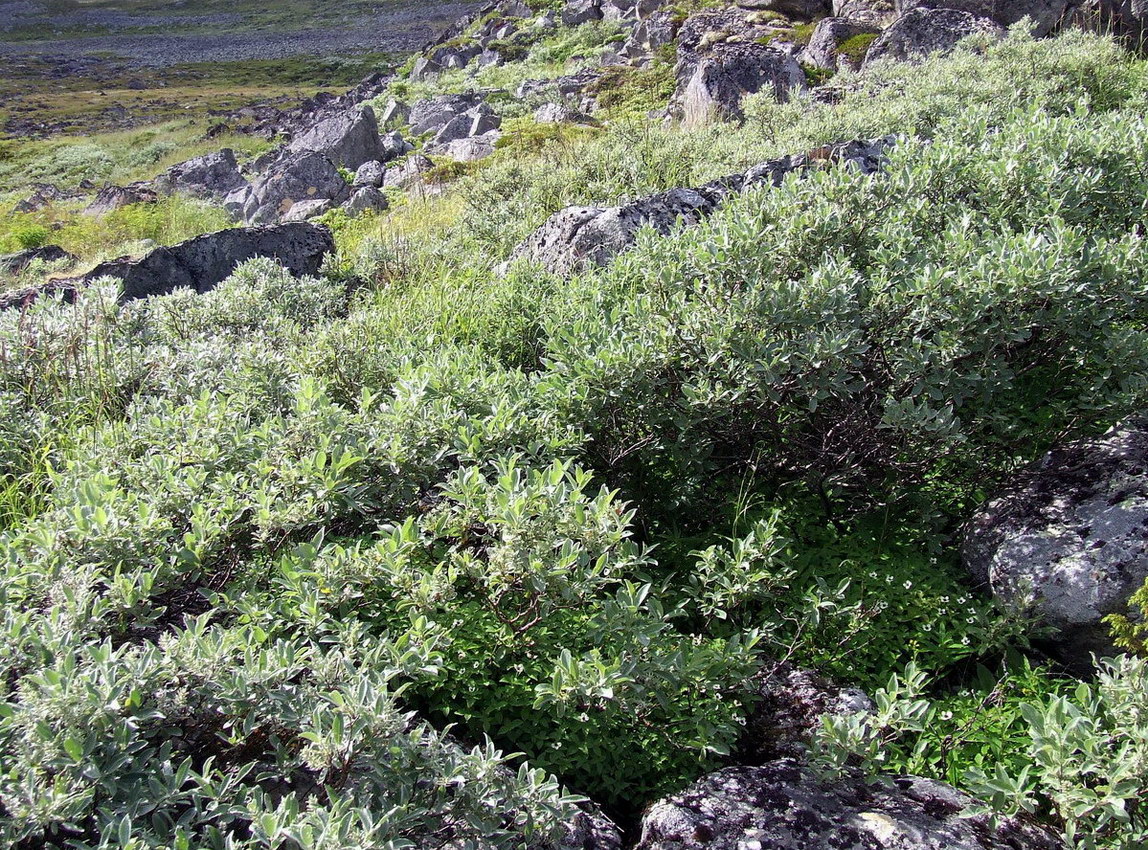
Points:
(723, 79)
(306, 176)
(112, 198)
(628, 10)
(656, 31)
(577, 238)
(1044, 15)
(791, 703)
(202, 263)
(565, 86)
(558, 113)
(43, 195)
(875, 13)
(14, 264)
(577, 12)
(1068, 540)
(394, 146)
(370, 174)
(804, 10)
(425, 70)
(210, 177)
(784, 806)
(347, 140)
(408, 173)
(307, 210)
(394, 114)
(823, 48)
(921, 32)
(366, 199)
(514, 9)
(470, 149)
(432, 114)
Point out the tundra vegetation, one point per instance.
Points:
(413, 553)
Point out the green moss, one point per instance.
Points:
(857, 47)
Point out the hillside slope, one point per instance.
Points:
(655, 409)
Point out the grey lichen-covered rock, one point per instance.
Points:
(722, 80)
(13, 264)
(307, 210)
(212, 176)
(1044, 15)
(577, 12)
(783, 806)
(347, 140)
(651, 33)
(875, 13)
(303, 177)
(791, 703)
(577, 238)
(112, 198)
(922, 32)
(394, 146)
(470, 149)
(407, 173)
(805, 10)
(425, 69)
(558, 113)
(432, 114)
(370, 174)
(824, 48)
(1069, 541)
(366, 199)
(394, 114)
(202, 263)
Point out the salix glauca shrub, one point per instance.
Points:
(1087, 755)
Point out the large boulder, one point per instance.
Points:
(202, 263)
(432, 114)
(1043, 15)
(581, 237)
(722, 80)
(805, 10)
(213, 176)
(111, 198)
(305, 176)
(14, 264)
(839, 43)
(783, 806)
(875, 13)
(791, 704)
(923, 31)
(347, 140)
(577, 238)
(577, 12)
(1069, 540)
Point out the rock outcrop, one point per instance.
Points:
(722, 80)
(829, 46)
(306, 176)
(111, 198)
(783, 806)
(791, 703)
(201, 263)
(13, 264)
(347, 140)
(1069, 541)
(577, 238)
(213, 176)
(923, 31)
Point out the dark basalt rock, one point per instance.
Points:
(13, 264)
(577, 238)
(784, 806)
(1069, 540)
(923, 31)
(201, 263)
